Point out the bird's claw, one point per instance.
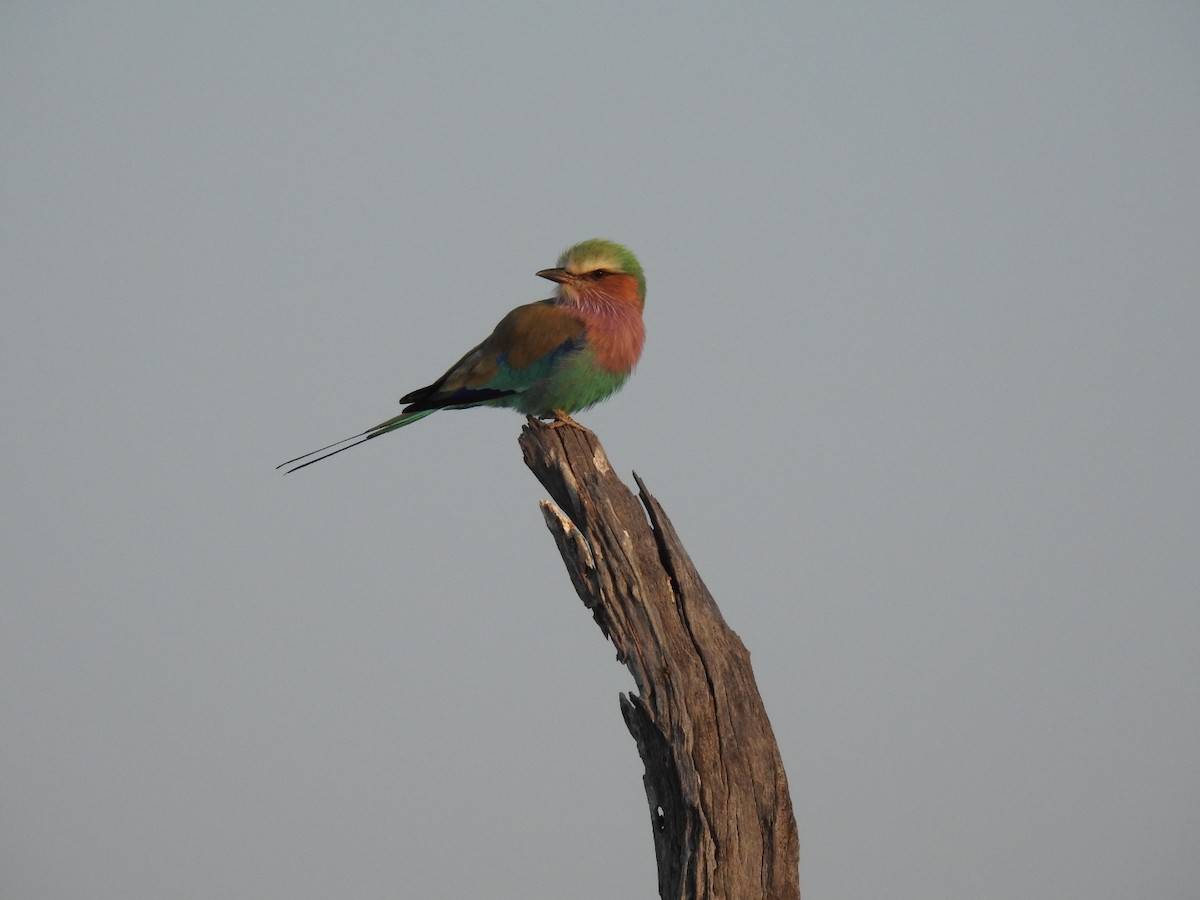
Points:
(558, 419)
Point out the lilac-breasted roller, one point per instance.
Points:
(547, 359)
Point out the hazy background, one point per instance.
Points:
(921, 394)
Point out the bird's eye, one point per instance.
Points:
(598, 274)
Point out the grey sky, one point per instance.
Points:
(920, 394)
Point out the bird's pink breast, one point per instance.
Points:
(616, 335)
(612, 314)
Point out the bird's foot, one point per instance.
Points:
(558, 419)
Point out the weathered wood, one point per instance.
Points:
(719, 806)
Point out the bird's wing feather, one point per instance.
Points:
(520, 352)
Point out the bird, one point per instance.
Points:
(545, 359)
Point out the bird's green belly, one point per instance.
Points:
(575, 384)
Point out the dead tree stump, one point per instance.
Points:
(719, 806)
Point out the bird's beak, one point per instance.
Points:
(562, 276)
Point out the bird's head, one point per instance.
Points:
(598, 271)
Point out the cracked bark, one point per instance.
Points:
(719, 807)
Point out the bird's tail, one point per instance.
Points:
(346, 443)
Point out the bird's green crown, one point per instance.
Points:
(598, 253)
